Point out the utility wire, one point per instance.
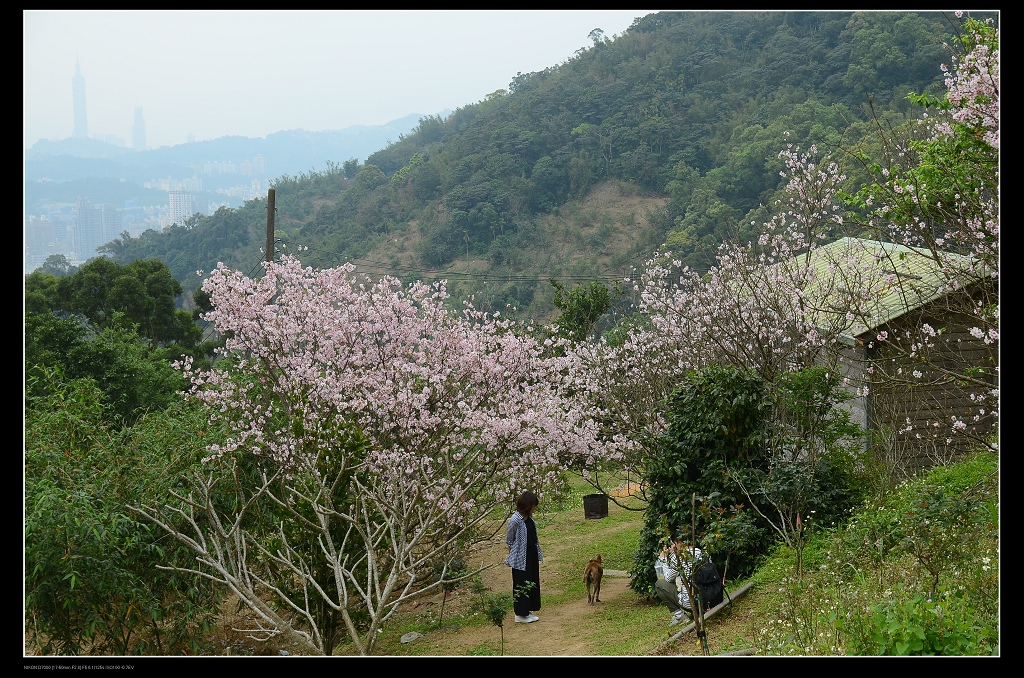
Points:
(330, 258)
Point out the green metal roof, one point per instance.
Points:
(900, 279)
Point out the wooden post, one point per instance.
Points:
(270, 224)
(698, 604)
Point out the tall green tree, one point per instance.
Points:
(581, 308)
(143, 291)
(133, 377)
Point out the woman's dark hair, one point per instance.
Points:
(681, 534)
(527, 500)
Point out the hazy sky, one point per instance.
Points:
(252, 73)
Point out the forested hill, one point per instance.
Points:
(665, 135)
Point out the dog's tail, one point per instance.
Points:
(590, 573)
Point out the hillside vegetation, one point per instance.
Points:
(684, 114)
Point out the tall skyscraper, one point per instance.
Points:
(139, 131)
(78, 92)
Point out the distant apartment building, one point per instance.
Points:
(40, 242)
(139, 219)
(95, 225)
(181, 207)
(50, 232)
(256, 167)
(188, 184)
(213, 167)
(253, 167)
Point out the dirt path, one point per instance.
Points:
(558, 632)
(563, 629)
(570, 627)
(621, 623)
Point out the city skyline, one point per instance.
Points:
(205, 74)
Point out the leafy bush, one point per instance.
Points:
(92, 583)
(716, 427)
(912, 624)
(134, 377)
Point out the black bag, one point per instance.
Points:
(708, 584)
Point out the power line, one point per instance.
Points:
(331, 259)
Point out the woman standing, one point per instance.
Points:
(524, 557)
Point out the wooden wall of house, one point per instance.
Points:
(925, 402)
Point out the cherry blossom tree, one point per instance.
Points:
(626, 384)
(936, 192)
(750, 310)
(791, 299)
(382, 428)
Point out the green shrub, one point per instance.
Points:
(911, 624)
(92, 583)
(715, 426)
(734, 440)
(913, 574)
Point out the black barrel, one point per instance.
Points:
(595, 506)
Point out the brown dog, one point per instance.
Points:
(592, 578)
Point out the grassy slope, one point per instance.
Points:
(841, 577)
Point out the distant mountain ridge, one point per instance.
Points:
(290, 152)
